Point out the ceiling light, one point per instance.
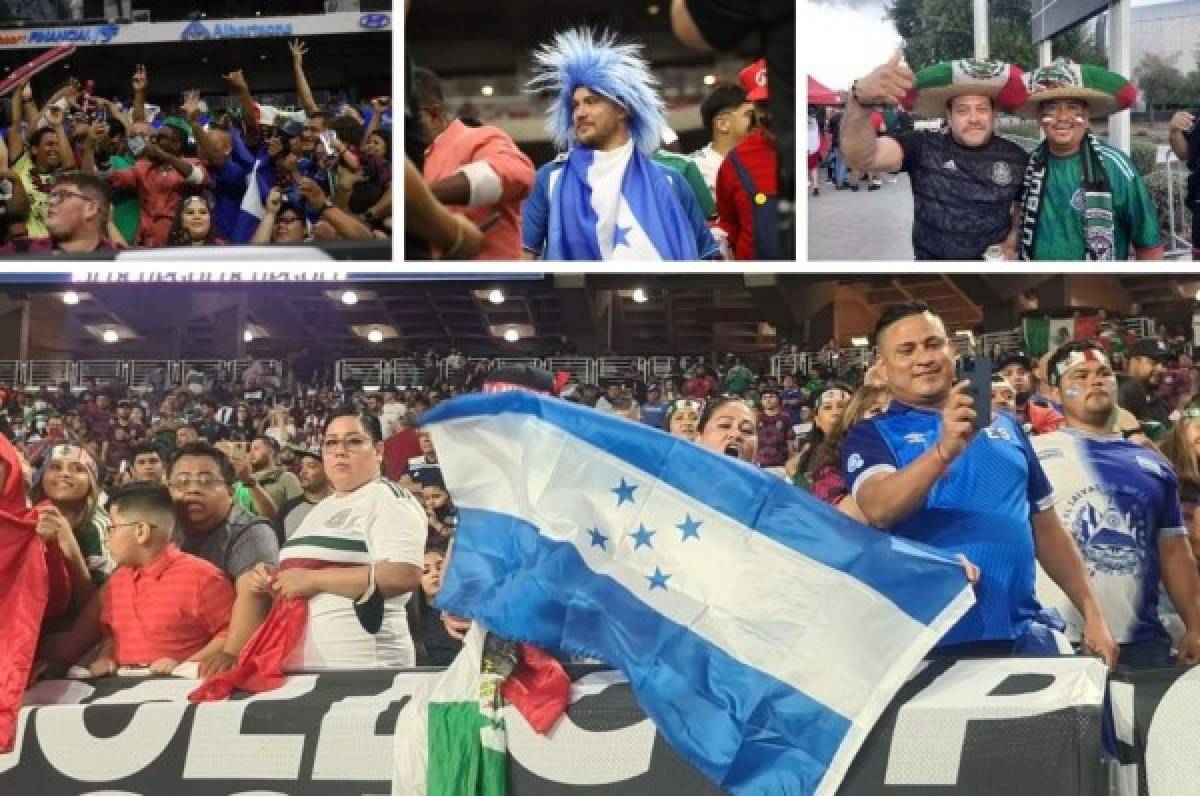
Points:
(349, 298)
(375, 336)
(652, 9)
(640, 296)
(710, 80)
(511, 335)
(487, 91)
(859, 342)
(496, 297)
(70, 297)
(110, 336)
(248, 336)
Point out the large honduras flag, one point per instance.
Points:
(761, 630)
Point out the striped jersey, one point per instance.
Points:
(379, 521)
(1117, 498)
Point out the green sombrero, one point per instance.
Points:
(937, 84)
(1104, 91)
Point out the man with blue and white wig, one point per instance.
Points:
(603, 198)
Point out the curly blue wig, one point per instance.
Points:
(578, 58)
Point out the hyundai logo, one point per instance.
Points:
(374, 21)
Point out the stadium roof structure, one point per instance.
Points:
(588, 314)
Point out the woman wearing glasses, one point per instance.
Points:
(363, 544)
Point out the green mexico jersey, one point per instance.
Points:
(1060, 227)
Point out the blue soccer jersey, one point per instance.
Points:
(980, 507)
(1117, 498)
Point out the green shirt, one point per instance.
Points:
(1060, 226)
(687, 167)
(127, 210)
(35, 225)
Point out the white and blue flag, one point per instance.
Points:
(762, 631)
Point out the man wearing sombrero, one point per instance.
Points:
(1081, 198)
(965, 180)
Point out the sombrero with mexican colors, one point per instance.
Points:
(937, 84)
(1104, 91)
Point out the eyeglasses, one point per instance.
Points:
(202, 481)
(116, 525)
(351, 444)
(58, 197)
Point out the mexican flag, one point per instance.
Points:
(450, 738)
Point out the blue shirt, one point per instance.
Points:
(1118, 499)
(980, 507)
(535, 210)
(792, 399)
(229, 186)
(655, 414)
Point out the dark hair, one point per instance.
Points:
(272, 443)
(363, 196)
(205, 449)
(386, 136)
(722, 98)
(145, 448)
(348, 129)
(116, 127)
(895, 313)
(35, 138)
(349, 411)
(427, 88)
(142, 496)
(711, 409)
(178, 236)
(1064, 351)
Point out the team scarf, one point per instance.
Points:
(1098, 227)
(645, 188)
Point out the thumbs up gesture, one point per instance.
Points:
(887, 83)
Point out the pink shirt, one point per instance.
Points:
(460, 145)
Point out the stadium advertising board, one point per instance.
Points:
(983, 727)
(197, 30)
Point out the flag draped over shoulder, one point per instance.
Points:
(761, 630)
(24, 591)
(450, 739)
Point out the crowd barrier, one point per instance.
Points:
(1003, 726)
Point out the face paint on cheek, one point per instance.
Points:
(1071, 392)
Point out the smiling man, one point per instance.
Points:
(965, 180)
(1082, 199)
(921, 470)
(604, 198)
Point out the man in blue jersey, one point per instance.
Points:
(1120, 501)
(921, 471)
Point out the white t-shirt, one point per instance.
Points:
(389, 522)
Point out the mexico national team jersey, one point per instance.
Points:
(1117, 498)
(1060, 227)
(980, 507)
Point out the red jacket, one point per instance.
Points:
(733, 203)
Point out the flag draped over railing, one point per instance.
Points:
(761, 630)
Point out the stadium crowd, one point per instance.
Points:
(84, 173)
(1073, 504)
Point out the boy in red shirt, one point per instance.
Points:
(161, 606)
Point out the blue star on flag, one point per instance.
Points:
(623, 491)
(620, 236)
(642, 537)
(598, 539)
(690, 528)
(658, 580)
